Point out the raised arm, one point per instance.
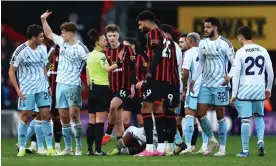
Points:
(47, 30)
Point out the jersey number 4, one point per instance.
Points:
(258, 61)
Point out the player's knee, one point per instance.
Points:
(75, 118)
(256, 115)
(220, 116)
(100, 118)
(65, 118)
(37, 116)
(45, 117)
(126, 119)
(24, 116)
(200, 114)
(112, 109)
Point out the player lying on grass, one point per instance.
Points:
(134, 142)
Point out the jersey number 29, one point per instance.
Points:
(258, 61)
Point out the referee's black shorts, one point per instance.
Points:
(99, 99)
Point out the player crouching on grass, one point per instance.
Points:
(133, 142)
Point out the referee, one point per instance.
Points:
(99, 93)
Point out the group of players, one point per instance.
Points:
(121, 77)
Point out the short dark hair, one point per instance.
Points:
(183, 35)
(166, 28)
(157, 22)
(112, 28)
(131, 40)
(214, 21)
(69, 27)
(34, 30)
(94, 35)
(245, 31)
(146, 15)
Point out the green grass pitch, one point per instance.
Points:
(9, 158)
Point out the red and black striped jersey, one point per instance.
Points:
(142, 63)
(158, 51)
(52, 70)
(174, 72)
(121, 78)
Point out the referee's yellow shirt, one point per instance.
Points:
(96, 61)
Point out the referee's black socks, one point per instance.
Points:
(90, 132)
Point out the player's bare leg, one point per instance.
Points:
(147, 109)
(140, 120)
(77, 128)
(99, 130)
(47, 129)
(126, 118)
(112, 116)
(119, 127)
(66, 131)
(90, 133)
(22, 131)
(220, 111)
(206, 127)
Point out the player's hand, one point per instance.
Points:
(132, 92)
(21, 95)
(232, 100)
(50, 91)
(139, 85)
(192, 83)
(226, 80)
(46, 14)
(122, 55)
(267, 94)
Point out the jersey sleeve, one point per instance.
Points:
(132, 64)
(200, 68)
(45, 58)
(229, 50)
(58, 40)
(269, 70)
(236, 68)
(179, 55)
(84, 51)
(103, 61)
(187, 60)
(16, 58)
(154, 38)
